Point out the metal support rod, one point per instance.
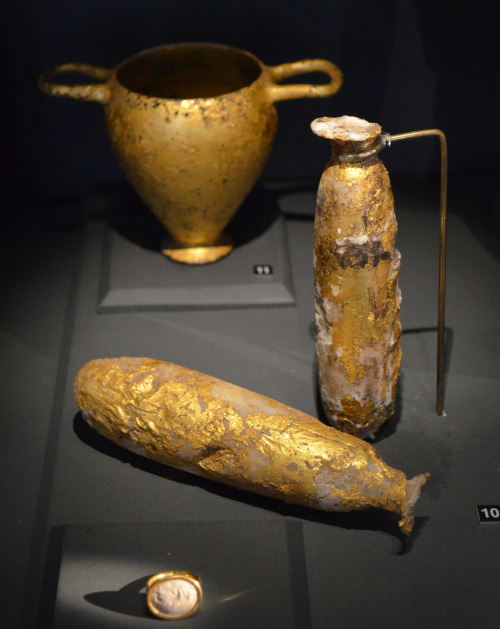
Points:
(442, 255)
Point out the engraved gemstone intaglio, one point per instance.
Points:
(174, 595)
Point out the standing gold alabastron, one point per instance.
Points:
(356, 266)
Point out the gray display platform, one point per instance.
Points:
(255, 273)
(104, 569)
(360, 571)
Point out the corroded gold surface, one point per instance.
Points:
(192, 126)
(356, 293)
(194, 160)
(215, 429)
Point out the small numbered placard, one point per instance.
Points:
(263, 269)
(488, 514)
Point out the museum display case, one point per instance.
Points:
(95, 534)
(108, 519)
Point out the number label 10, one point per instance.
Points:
(488, 514)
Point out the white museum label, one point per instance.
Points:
(263, 269)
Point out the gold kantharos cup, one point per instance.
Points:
(192, 126)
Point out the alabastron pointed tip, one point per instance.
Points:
(413, 491)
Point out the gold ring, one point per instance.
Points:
(174, 595)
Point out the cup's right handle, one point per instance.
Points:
(99, 92)
(304, 90)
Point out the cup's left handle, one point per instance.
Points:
(99, 92)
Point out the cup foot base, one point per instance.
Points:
(198, 254)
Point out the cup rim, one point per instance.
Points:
(186, 45)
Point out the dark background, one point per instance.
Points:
(407, 64)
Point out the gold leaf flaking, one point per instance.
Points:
(226, 433)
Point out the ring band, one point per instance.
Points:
(174, 595)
